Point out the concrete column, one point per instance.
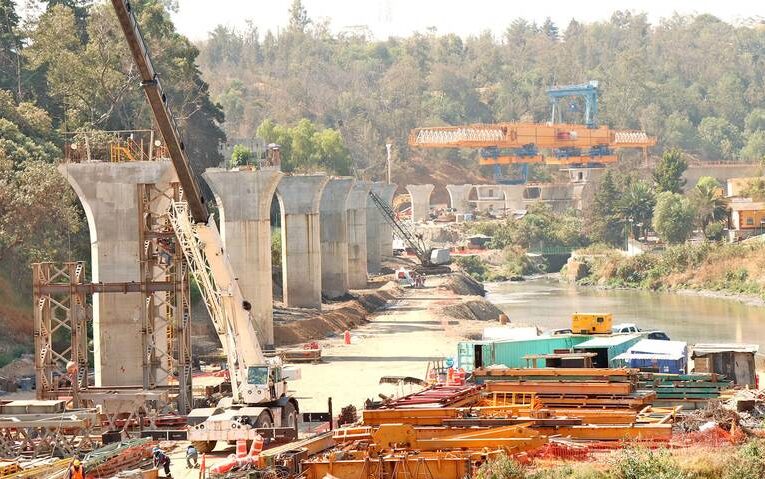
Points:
(334, 237)
(300, 199)
(244, 204)
(420, 195)
(386, 192)
(459, 196)
(109, 195)
(513, 197)
(357, 234)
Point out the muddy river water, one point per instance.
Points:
(548, 303)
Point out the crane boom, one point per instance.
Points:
(161, 110)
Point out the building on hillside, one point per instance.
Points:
(747, 218)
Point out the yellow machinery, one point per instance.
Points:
(591, 323)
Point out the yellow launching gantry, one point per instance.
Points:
(522, 143)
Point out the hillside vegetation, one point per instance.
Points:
(696, 82)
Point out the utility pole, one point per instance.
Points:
(388, 147)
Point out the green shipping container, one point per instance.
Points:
(472, 354)
(608, 348)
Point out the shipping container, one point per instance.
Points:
(608, 348)
(510, 353)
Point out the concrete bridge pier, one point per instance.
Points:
(244, 204)
(513, 197)
(420, 195)
(357, 234)
(386, 192)
(459, 196)
(109, 195)
(300, 201)
(334, 237)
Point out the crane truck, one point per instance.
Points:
(260, 401)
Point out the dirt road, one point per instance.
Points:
(398, 341)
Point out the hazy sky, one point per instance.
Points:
(401, 17)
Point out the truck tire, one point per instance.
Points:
(290, 417)
(264, 420)
(203, 447)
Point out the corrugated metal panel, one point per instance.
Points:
(511, 353)
(609, 341)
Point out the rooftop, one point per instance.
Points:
(711, 348)
(607, 341)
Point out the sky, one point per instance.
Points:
(385, 18)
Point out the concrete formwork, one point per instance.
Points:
(459, 196)
(334, 237)
(109, 195)
(244, 204)
(420, 196)
(300, 200)
(357, 234)
(386, 192)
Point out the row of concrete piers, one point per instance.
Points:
(332, 237)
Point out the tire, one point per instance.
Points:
(264, 420)
(290, 417)
(204, 447)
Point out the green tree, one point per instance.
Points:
(720, 138)
(10, 46)
(755, 120)
(755, 147)
(241, 155)
(708, 200)
(668, 175)
(298, 17)
(636, 207)
(605, 221)
(673, 217)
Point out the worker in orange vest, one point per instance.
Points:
(76, 470)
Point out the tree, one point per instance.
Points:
(605, 221)
(10, 46)
(755, 120)
(708, 200)
(298, 17)
(550, 30)
(241, 155)
(673, 217)
(755, 147)
(636, 207)
(668, 175)
(720, 138)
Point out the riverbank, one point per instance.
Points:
(721, 270)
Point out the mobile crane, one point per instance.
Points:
(260, 400)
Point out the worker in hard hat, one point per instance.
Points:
(161, 459)
(76, 471)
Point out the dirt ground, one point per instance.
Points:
(397, 341)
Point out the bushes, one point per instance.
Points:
(748, 462)
(501, 467)
(473, 266)
(638, 463)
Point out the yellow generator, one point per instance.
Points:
(591, 323)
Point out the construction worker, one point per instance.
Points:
(161, 459)
(191, 456)
(76, 471)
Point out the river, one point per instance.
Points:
(548, 303)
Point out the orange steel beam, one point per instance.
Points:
(555, 387)
(652, 432)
